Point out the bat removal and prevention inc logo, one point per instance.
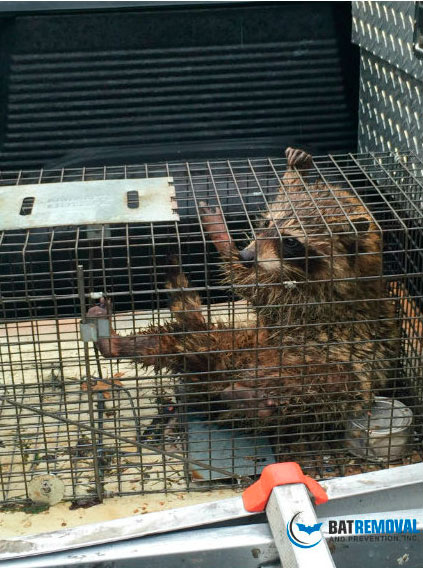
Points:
(303, 535)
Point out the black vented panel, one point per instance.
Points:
(234, 85)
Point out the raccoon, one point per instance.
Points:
(314, 274)
(325, 338)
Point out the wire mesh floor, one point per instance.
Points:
(119, 427)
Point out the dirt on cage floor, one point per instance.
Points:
(16, 523)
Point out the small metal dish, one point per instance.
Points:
(383, 434)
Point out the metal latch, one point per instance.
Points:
(94, 328)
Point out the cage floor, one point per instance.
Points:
(32, 444)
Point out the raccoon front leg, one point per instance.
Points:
(114, 346)
(214, 225)
(298, 162)
(169, 346)
(185, 304)
(161, 346)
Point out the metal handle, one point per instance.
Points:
(295, 529)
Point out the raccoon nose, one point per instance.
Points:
(247, 255)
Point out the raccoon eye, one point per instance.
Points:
(292, 248)
(291, 243)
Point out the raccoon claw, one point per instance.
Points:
(298, 159)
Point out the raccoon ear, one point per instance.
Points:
(361, 224)
(352, 241)
(347, 228)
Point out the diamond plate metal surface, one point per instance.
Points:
(391, 77)
(390, 113)
(386, 29)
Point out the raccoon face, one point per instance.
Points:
(275, 250)
(289, 253)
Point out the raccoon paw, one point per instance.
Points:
(101, 310)
(298, 159)
(208, 216)
(214, 225)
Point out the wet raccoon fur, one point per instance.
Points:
(325, 339)
(313, 272)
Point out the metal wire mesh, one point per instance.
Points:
(281, 363)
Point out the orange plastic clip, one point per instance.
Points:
(257, 495)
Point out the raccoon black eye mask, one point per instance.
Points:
(294, 251)
(292, 248)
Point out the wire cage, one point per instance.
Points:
(278, 317)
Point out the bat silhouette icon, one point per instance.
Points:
(309, 529)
